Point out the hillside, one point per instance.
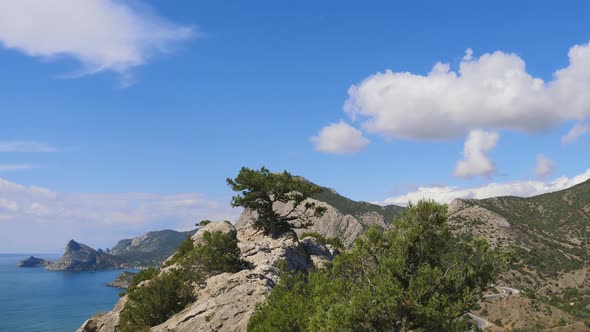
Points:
(550, 234)
(149, 249)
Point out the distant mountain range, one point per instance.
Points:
(150, 249)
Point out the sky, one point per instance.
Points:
(119, 117)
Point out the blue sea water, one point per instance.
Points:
(37, 300)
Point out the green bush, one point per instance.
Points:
(168, 293)
(156, 301)
(218, 253)
(416, 277)
(145, 274)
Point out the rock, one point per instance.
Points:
(33, 262)
(123, 281)
(226, 301)
(105, 322)
(222, 226)
(80, 257)
(333, 223)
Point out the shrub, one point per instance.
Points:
(416, 277)
(166, 294)
(156, 301)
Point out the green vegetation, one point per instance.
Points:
(167, 293)
(335, 242)
(416, 277)
(259, 190)
(154, 302)
(553, 228)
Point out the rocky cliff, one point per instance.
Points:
(226, 301)
(80, 257)
(33, 262)
(344, 218)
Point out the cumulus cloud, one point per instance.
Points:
(26, 146)
(492, 92)
(545, 166)
(476, 161)
(445, 194)
(577, 131)
(49, 219)
(339, 138)
(103, 35)
(15, 167)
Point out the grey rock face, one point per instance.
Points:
(33, 262)
(333, 223)
(105, 322)
(226, 301)
(222, 226)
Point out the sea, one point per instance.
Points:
(37, 300)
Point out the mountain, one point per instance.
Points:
(33, 262)
(551, 236)
(344, 218)
(80, 257)
(149, 249)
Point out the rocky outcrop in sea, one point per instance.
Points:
(80, 257)
(33, 262)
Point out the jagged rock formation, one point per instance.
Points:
(226, 301)
(344, 218)
(122, 281)
(80, 257)
(33, 262)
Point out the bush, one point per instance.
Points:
(156, 301)
(168, 293)
(218, 253)
(416, 277)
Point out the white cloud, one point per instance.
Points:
(446, 194)
(577, 131)
(51, 218)
(475, 160)
(103, 35)
(492, 92)
(15, 167)
(339, 138)
(26, 146)
(545, 166)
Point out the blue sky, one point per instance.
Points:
(119, 117)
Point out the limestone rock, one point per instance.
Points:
(105, 322)
(226, 301)
(222, 226)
